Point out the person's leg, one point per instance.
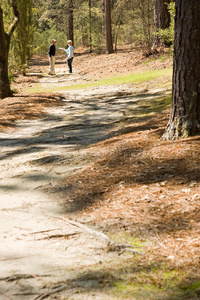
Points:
(53, 65)
(50, 63)
(69, 62)
(69, 65)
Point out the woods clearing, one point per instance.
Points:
(94, 153)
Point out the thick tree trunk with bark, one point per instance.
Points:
(70, 35)
(90, 23)
(185, 111)
(5, 90)
(108, 27)
(103, 21)
(161, 18)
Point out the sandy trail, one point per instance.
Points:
(39, 244)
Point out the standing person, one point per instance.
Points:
(70, 54)
(52, 53)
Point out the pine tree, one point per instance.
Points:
(5, 38)
(185, 111)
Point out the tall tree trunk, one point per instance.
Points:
(70, 34)
(90, 23)
(108, 27)
(5, 90)
(161, 18)
(25, 31)
(4, 81)
(185, 111)
(103, 21)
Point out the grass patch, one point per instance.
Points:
(139, 278)
(123, 237)
(164, 74)
(136, 77)
(151, 105)
(126, 290)
(191, 287)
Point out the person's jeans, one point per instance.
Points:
(69, 62)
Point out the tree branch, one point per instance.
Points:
(16, 20)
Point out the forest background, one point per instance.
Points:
(132, 23)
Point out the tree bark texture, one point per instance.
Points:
(4, 41)
(161, 18)
(90, 23)
(108, 27)
(185, 111)
(5, 90)
(103, 21)
(70, 35)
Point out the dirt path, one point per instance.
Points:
(39, 245)
(95, 163)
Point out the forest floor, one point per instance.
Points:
(94, 204)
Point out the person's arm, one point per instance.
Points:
(63, 49)
(50, 51)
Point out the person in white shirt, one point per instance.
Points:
(70, 54)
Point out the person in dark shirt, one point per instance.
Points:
(52, 53)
